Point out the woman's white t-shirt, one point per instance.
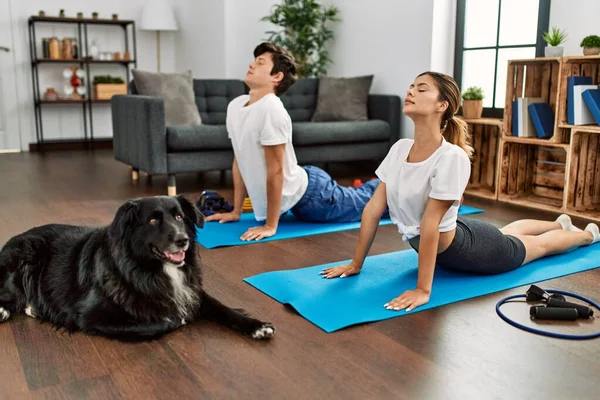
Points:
(409, 185)
(264, 123)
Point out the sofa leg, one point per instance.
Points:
(135, 174)
(172, 187)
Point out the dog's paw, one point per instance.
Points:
(4, 314)
(266, 331)
(29, 311)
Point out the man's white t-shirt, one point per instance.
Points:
(264, 123)
(443, 176)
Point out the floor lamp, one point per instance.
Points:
(157, 15)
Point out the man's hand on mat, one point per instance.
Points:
(259, 232)
(224, 217)
(409, 300)
(341, 271)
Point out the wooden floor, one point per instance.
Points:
(458, 351)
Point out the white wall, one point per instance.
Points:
(443, 35)
(65, 121)
(390, 39)
(579, 19)
(200, 41)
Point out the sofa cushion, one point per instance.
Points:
(311, 133)
(197, 137)
(300, 100)
(343, 99)
(177, 92)
(213, 96)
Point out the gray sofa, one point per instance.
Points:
(141, 139)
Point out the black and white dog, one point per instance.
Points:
(138, 278)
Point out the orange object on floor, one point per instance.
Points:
(247, 206)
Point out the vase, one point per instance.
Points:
(472, 109)
(553, 51)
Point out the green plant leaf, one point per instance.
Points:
(591, 41)
(473, 93)
(555, 38)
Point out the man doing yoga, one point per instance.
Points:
(265, 165)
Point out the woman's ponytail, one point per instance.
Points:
(456, 131)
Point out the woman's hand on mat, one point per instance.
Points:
(409, 300)
(224, 217)
(259, 232)
(342, 271)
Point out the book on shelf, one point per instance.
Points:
(522, 125)
(581, 113)
(573, 101)
(542, 118)
(591, 98)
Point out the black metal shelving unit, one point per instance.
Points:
(84, 62)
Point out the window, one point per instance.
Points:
(488, 34)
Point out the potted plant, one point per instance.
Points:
(61, 13)
(107, 86)
(80, 15)
(554, 39)
(591, 45)
(304, 33)
(42, 13)
(115, 17)
(94, 15)
(472, 102)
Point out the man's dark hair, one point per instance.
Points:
(283, 62)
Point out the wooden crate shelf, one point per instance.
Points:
(560, 174)
(583, 190)
(540, 142)
(533, 175)
(486, 134)
(581, 128)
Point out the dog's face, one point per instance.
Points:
(159, 227)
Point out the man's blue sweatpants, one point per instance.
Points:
(326, 201)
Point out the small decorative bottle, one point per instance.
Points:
(94, 50)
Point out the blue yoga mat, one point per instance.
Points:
(333, 304)
(215, 234)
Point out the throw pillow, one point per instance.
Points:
(343, 99)
(177, 91)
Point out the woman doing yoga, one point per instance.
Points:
(422, 182)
